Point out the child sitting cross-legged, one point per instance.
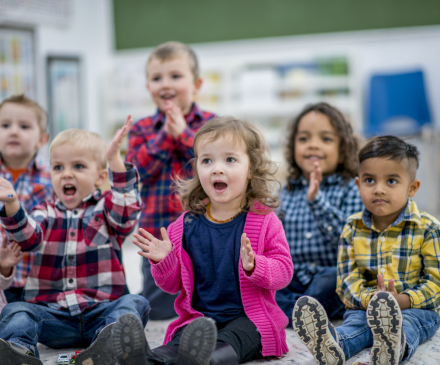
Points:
(227, 255)
(76, 286)
(388, 267)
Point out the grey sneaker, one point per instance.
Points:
(313, 328)
(100, 352)
(385, 320)
(12, 353)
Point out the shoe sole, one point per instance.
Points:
(311, 325)
(385, 320)
(197, 343)
(129, 344)
(10, 357)
(97, 353)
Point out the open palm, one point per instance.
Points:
(9, 255)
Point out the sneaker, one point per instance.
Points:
(12, 353)
(313, 328)
(198, 342)
(129, 344)
(385, 320)
(100, 352)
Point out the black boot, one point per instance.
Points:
(100, 352)
(224, 354)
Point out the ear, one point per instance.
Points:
(356, 180)
(102, 177)
(413, 187)
(197, 85)
(44, 137)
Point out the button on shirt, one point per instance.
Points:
(78, 261)
(313, 227)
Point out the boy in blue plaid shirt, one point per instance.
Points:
(321, 193)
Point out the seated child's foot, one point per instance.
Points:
(100, 352)
(314, 329)
(12, 353)
(198, 342)
(129, 344)
(385, 320)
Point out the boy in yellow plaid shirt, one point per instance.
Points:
(388, 267)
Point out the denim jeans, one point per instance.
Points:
(322, 288)
(27, 323)
(419, 325)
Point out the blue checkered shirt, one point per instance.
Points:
(313, 227)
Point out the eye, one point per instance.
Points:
(57, 168)
(230, 159)
(206, 161)
(24, 126)
(79, 166)
(5, 125)
(156, 78)
(176, 76)
(327, 139)
(302, 139)
(392, 181)
(369, 180)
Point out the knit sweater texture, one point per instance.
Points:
(273, 271)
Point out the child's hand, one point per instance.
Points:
(9, 197)
(402, 299)
(114, 158)
(153, 248)
(9, 256)
(315, 181)
(175, 122)
(246, 254)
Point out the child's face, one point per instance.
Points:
(172, 80)
(223, 169)
(20, 135)
(384, 186)
(75, 174)
(316, 140)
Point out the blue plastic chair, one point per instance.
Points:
(397, 104)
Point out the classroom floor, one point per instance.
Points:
(427, 354)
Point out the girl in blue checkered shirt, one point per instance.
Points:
(319, 196)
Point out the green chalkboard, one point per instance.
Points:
(147, 23)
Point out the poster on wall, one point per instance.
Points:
(17, 62)
(64, 83)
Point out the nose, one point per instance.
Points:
(313, 143)
(379, 189)
(217, 168)
(67, 173)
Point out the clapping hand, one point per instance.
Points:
(246, 254)
(9, 256)
(175, 122)
(9, 197)
(153, 249)
(114, 158)
(315, 181)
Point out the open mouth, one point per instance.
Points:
(69, 190)
(167, 96)
(313, 158)
(220, 185)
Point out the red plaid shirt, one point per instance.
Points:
(32, 187)
(78, 261)
(159, 158)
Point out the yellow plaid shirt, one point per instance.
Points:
(408, 251)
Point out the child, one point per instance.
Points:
(75, 290)
(226, 255)
(9, 257)
(23, 125)
(321, 193)
(390, 242)
(161, 147)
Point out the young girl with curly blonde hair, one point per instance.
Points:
(227, 255)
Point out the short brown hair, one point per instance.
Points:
(87, 140)
(25, 101)
(261, 185)
(171, 50)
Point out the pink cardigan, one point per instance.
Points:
(273, 271)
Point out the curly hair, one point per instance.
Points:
(261, 186)
(348, 147)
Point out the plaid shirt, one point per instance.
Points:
(32, 188)
(408, 251)
(78, 261)
(313, 227)
(159, 157)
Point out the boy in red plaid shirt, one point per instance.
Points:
(161, 147)
(75, 290)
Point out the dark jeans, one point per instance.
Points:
(14, 295)
(28, 323)
(161, 303)
(322, 287)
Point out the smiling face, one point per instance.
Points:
(172, 80)
(316, 141)
(20, 135)
(223, 170)
(75, 174)
(384, 186)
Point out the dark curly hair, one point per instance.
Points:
(348, 147)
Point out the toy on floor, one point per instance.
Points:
(72, 360)
(63, 359)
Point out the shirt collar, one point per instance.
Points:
(193, 115)
(89, 199)
(37, 163)
(333, 179)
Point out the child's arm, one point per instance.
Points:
(9, 257)
(9, 197)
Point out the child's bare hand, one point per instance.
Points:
(175, 122)
(402, 299)
(9, 255)
(153, 248)
(315, 181)
(246, 254)
(9, 197)
(114, 148)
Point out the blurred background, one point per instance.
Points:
(263, 60)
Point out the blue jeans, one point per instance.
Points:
(27, 323)
(322, 288)
(419, 325)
